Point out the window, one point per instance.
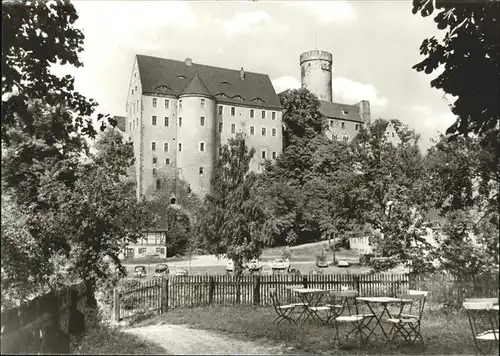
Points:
(345, 139)
(141, 250)
(274, 131)
(165, 147)
(167, 160)
(356, 127)
(220, 109)
(263, 131)
(202, 146)
(153, 121)
(343, 125)
(263, 154)
(233, 128)
(154, 172)
(233, 111)
(180, 122)
(136, 88)
(138, 107)
(202, 103)
(345, 112)
(133, 107)
(167, 104)
(220, 126)
(167, 121)
(180, 147)
(273, 115)
(132, 91)
(154, 102)
(158, 184)
(180, 104)
(251, 112)
(137, 124)
(155, 160)
(263, 114)
(274, 155)
(153, 146)
(393, 134)
(130, 127)
(202, 121)
(331, 123)
(201, 171)
(252, 130)
(160, 250)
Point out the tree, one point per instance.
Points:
(232, 219)
(470, 53)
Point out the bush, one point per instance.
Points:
(286, 253)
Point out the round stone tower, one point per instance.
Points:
(316, 73)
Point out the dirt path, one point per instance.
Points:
(181, 340)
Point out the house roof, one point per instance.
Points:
(340, 111)
(196, 86)
(120, 122)
(167, 76)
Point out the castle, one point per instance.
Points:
(180, 112)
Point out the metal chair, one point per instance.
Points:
(408, 321)
(284, 312)
(483, 315)
(349, 314)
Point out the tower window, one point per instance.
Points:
(158, 184)
(273, 115)
(153, 121)
(252, 130)
(167, 121)
(233, 111)
(180, 147)
(201, 171)
(167, 160)
(180, 104)
(155, 160)
(263, 131)
(202, 103)
(180, 121)
(165, 147)
(154, 102)
(233, 128)
(202, 146)
(263, 114)
(202, 121)
(251, 112)
(220, 109)
(263, 154)
(220, 126)
(274, 131)
(153, 146)
(343, 125)
(167, 104)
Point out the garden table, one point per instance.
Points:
(311, 297)
(384, 301)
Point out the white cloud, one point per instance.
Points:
(350, 91)
(287, 82)
(327, 11)
(428, 120)
(252, 22)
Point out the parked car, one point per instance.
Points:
(180, 271)
(322, 263)
(140, 271)
(343, 263)
(280, 265)
(253, 265)
(161, 270)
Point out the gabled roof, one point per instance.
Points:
(167, 76)
(196, 86)
(340, 111)
(120, 122)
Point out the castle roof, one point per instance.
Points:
(340, 111)
(170, 77)
(196, 86)
(120, 122)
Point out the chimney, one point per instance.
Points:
(188, 62)
(242, 74)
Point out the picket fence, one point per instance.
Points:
(43, 325)
(226, 290)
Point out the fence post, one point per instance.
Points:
(211, 290)
(116, 304)
(304, 281)
(76, 322)
(256, 291)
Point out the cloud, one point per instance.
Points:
(428, 120)
(327, 11)
(350, 91)
(287, 82)
(252, 22)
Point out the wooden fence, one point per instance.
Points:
(43, 325)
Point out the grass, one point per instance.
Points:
(444, 333)
(105, 340)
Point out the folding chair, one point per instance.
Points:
(483, 315)
(407, 323)
(350, 314)
(284, 311)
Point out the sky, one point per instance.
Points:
(374, 46)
